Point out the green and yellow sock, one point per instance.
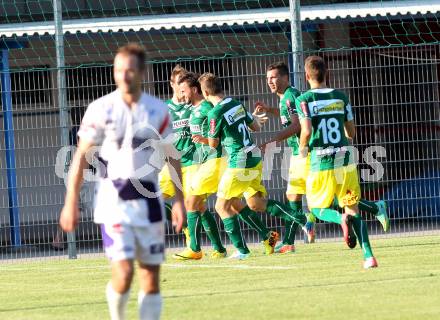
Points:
(326, 214)
(211, 229)
(360, 229)
(289, 232)
(168, 211)
(232, 228)
(253, 220)
(278, 209)
(368, 206)
(195, 229)
(290, 227)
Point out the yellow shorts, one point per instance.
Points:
(239, 182)
(298, 172)
(323, 186)
(166, 184)
(207, 178)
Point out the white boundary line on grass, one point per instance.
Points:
(168, 265)
(228, 266)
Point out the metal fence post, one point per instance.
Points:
(296, 45)
(62, 99)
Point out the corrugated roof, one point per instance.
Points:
(239, 17)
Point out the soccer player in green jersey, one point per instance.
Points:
(229, 123)
(278, 82)
(180, 113)
(326, 119)
(205, 180)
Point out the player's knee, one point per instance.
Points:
(257, 205)
(188, 204)
(193, 203)
(151, 285)
(126, 277)
(294, 197)
(149, 279)
(221, 208)
(122, 277)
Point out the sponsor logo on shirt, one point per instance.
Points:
(350, 198)
(180, 124)
(212, 126)
(290, 107)
(333, 107)
(195, 128)
(305, 109)
(180, 113)
(330, 151)
(235, 114)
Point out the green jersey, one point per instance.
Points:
(328, 109)
(180, 114)
(287, 109)
(199, 126)
(229, 121)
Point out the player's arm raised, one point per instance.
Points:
(292, 129)
(255, 122)
(254, 126)
(261, 107)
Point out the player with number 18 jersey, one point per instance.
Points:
(328, 110)
(326, 119)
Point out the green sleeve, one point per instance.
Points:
(289, 100)
(302, 108)
(248, 118)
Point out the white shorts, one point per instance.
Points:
(125, 242)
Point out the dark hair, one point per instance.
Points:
(315, 68)
(192, 79)
(134, 49)
(210, 83)
(282, 68)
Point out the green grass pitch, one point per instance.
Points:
(320, 281)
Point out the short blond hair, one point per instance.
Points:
(178, 70)
(316, 68)
(210, 83)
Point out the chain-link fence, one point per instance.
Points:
(389, 68)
